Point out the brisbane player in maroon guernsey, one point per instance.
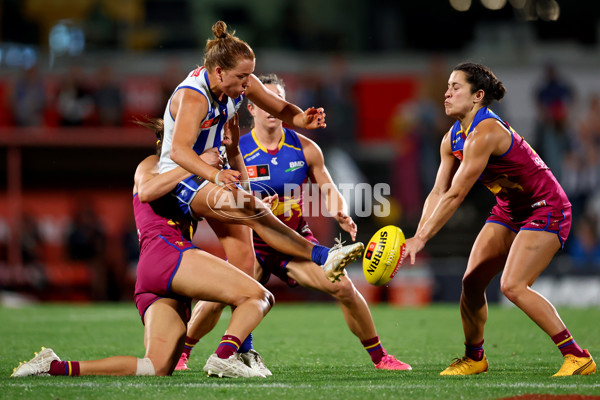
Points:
(528, 225)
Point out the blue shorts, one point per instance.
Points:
(185, 192)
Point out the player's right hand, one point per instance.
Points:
(212, 157)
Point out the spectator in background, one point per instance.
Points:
(86, 241)
(554, 96)
(75, 102)
(581, 166)
(108, 98)
(29, 98)
(584, 248)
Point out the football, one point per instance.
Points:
(384, 255)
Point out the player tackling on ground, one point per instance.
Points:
(527, 226)
(170, 272)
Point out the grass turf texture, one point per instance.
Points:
(310, 350)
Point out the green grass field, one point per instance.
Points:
(309, 349)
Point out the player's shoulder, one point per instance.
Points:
(247, 143)
(305, 142)
(246, 138)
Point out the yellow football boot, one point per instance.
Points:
(466, 366)
(577, 365)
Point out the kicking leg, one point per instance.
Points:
(239, 207)
(354, 307)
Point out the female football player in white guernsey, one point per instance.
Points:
(297, 160)
(194, 122)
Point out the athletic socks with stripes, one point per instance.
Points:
(229, 345)
(189, 345)
(374, 348)
(67, 368)
(474, 351)
(567, 345)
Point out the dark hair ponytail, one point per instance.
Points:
(158, 126)
(481, 77)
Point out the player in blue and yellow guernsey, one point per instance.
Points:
(528, 224)
(276, 157)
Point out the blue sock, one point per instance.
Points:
(246, 344)
(319, 254)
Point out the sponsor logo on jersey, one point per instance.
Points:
(294, 165)
(274, 160)
(458, 154)
(211, 122)
(258, 172)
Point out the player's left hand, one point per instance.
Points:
(311, 118)
(347, 224)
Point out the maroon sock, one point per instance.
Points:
(567, 345)
(67, 368)
(229, 345)
(474, 351)
(374, 348)
(189, 345)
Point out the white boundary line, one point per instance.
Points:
(244, 384)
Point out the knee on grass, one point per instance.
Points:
(145, 367)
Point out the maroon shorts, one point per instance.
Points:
(158, 263)
(274, 262)
(547, 219)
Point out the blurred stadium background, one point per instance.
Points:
(75, 73)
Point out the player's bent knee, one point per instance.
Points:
(343, 291)
(511, 290)
(145, 367)
(270, 299)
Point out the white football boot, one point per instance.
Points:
(232, 367)
(37, 366)
(339, 257)
(254, 360)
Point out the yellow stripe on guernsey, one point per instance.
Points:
(565, 341)
(373, 345)
(263, 148)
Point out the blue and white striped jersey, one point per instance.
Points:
(211, 130)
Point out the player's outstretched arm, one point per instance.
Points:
(289, 113)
